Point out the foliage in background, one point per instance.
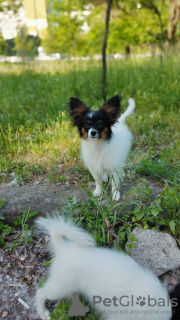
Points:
(26, 45)
(10, 49)
(64, 26)
(137, 28)
(13, 5)
(3, 45)
(76, 28)
(133, 23)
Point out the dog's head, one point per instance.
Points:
(95, 124)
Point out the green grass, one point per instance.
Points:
(34, 124)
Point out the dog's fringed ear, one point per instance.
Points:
(112, 109)
(77, 110)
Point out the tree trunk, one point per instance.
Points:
(104, 86)
(174, 15)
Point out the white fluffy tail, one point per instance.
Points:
(58, 228)
(128, 111)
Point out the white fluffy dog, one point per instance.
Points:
(106, 140)
(114, 284)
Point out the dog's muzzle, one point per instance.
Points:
(93, 134)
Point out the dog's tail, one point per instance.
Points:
(128, 111)
(175, 301)
(58, 228)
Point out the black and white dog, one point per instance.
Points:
(106, 140)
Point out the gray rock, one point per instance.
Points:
(156, 251)
(44, 199)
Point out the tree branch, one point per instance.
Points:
(104, 88)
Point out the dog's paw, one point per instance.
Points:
(116, 195)
(45, 315)
(97, 192)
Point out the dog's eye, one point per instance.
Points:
(89, 121)
(100, 123)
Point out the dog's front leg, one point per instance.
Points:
(41, 298)
(98, 180)
(97, 192)
(52, 291)
(116, 182)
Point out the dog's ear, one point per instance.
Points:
(77, 110)
(112, 109)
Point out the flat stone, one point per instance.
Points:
(44, 199)
(156, 251)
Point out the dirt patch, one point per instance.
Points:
(20, 275)
(21, 272)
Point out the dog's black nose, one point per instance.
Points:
(93, 132)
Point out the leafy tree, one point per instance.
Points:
(157, 7)
(104, 46)
(91, 42)
(3, 45)
(135, 28)
(133, 23)
(64, 26)
(10, 49)
(26, 45)
(10, 5)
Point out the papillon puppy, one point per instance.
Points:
(106, 140)
(113, 283)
